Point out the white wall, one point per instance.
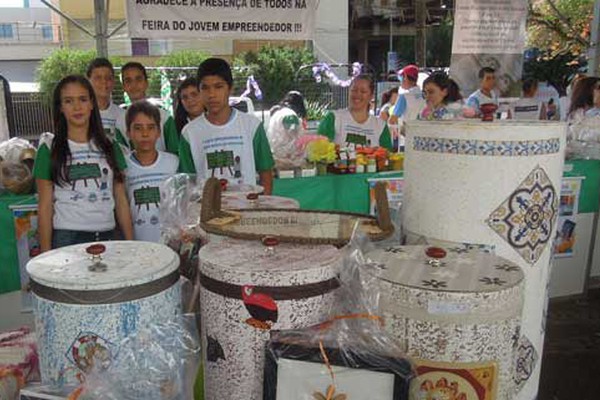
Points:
(27, 42)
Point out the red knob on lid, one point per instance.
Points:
(223, 183)
(435, 252)
(95, 249)
(270, 241)
(252, 196)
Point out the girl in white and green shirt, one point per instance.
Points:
(355, 126)
(79, 173)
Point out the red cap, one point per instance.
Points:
(411, 71)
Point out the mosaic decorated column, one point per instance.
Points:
(491, 184)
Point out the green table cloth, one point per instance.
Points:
(589, 197)
(348, 193)
(9, 261)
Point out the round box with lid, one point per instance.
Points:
(457, 312)
(90, 297)
(249, 288)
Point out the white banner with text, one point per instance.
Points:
(245, 19)
(489, 33)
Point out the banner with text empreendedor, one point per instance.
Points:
(255, 19)
(489, 33)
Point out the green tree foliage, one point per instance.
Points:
(179, 65)
(63, 62)
(438, 39)
(560, 26)
(274, 68)
(557, 69)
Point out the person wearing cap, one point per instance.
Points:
(485, 94)
(285, 126)
(410, 98)
(223, 142)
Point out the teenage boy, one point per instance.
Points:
(135, 84)
(147, 168)
(485, 94)
(224, 142)
(101, 74)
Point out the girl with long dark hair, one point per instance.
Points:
(79, 173)
(586, 96)
(189, 103)
(355, 126)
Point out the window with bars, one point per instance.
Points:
(6, 31)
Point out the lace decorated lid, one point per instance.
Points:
(103, 265)
(449, 269)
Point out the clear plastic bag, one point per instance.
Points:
(16, 177)
(285, 127)
(351, 356)
(157, 363)
(179, 221)
(16, 150)
(583, 138)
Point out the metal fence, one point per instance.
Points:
(32, 115)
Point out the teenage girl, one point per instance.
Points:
(79, 173)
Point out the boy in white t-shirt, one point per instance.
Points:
(485, 94)
(224, 142)
(147, 168)
(101, 74)
(135, 84)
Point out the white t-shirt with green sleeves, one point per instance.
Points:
(143, 190)
(235, 151)
(341, 128)
(169, 137)
(113, 122)
(86, 202)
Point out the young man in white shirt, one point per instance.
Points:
(485, 94)
(101, 74)
(224, 142)
(135, 84)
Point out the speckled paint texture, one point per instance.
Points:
(233, 349)
(462, 308)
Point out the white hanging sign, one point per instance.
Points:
(251, 19)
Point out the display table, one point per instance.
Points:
(570, 274)
(9, 262)
(349, 193)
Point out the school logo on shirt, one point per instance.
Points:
(356, 139)
(224, 160)
(84, 172)
(145, 196)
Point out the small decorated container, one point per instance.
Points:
(249, 288)
(457, 313)
(88, 298)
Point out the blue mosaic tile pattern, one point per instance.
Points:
(526, 218)
(520, 148)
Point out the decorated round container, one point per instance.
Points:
(249, 288)
(457, 313)
(88, 298)
(496, 185)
